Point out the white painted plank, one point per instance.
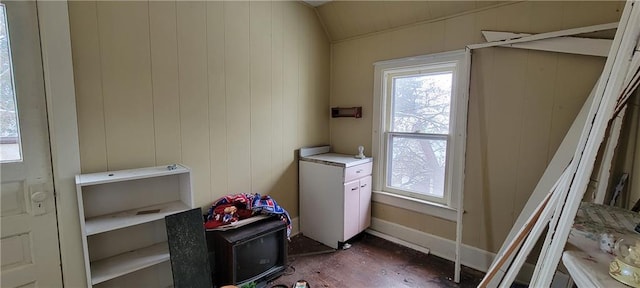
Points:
(535, 224)
(572, 45)
(129, 262)
(606, 96)
(53, 18)
(465, 76)
(634, 79)
(567, 32)
(492, 36)
(109, 222)
(129, 174)
(592, 135)
(534, 235)
(501, 259)
(559, 161)
(604, 171)
(634, 137)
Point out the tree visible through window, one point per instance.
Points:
(420, 107)
(9, 128)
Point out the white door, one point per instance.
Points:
(29, 244)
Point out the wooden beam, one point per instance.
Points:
(533, 223)
(607, 94)
(634, 79)
(604, 171)
(562, 156)
(466, 76)
(493, 36)
(571, 45)
(561, 194)
(566, 44)
(561, 33)
(534, 235)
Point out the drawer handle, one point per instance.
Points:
(358, 171)
(354, 188)
(365, 185)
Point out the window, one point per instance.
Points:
(419, 127)
(9, 128)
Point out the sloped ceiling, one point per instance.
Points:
(347, 19)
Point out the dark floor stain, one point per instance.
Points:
(370, 262)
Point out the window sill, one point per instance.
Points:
(420, 206)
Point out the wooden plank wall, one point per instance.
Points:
(521, 105)
(230, 89)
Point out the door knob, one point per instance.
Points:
(39, 196)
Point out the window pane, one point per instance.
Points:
(421, 103)
(418, 165)
(9, 132)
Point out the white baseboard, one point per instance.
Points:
(472, 257)
(398, 241)
(444, 248)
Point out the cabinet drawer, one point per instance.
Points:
(356, 172)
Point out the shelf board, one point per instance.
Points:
(104, 223)
(124, 175)
(128, 262)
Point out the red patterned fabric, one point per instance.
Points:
(246, 206)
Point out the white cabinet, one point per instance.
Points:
(122, 223)
(357, 194)
(335, 197)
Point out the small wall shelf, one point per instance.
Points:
(355, 112)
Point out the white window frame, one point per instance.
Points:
(454, 178)
(8, 142)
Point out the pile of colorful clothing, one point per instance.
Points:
(232, 208)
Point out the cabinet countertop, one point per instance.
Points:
(341, 160)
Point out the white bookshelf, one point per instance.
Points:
(122, 220)
(118, 220)
(129, 174)
(128, 262)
